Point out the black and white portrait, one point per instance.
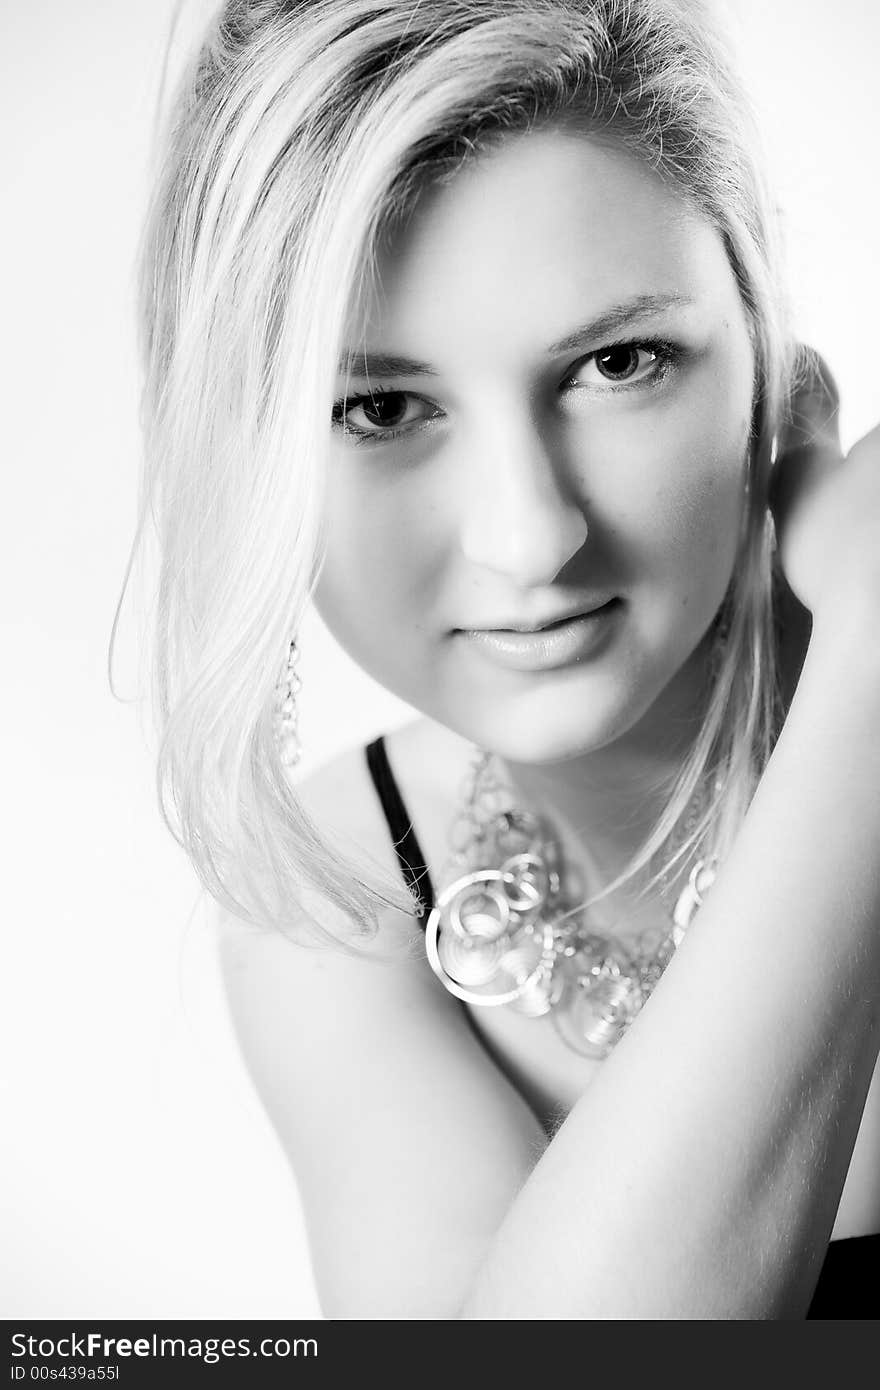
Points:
(443, 681)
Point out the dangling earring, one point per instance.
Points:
(286, 722)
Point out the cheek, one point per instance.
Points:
(677, 515)
(702, 513)
(379, 572)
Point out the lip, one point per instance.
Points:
(538, 621)
(560, 644)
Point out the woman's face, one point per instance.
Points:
(547, 409)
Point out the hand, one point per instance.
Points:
(827, 509)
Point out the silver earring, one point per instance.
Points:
(286, 718)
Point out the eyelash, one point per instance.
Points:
(377, 436)
(668, 356)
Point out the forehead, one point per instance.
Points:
(545, 230)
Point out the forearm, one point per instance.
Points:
(699, 1174)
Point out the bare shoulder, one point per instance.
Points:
(339, 794)
(340, 800)
(407, 1143)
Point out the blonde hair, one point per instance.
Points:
(297, 131)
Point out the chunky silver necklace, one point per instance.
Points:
(516, 934)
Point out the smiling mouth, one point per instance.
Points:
(563, 642)
(545, 625)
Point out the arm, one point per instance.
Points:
(699, 1175)
(407, 1143)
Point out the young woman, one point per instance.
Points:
(464, 321)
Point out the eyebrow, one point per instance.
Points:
(643, 306)
(369, 364)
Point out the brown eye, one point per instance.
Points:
(618, 363)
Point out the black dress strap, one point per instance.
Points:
(403, 836)
(848, 1286)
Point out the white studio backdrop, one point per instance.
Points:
(140, 1176)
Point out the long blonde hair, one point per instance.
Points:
(297, 131)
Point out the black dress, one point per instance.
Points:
(849, 1281)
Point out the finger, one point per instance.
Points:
(809, 444)
(814, 406)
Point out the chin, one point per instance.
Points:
(550, 723)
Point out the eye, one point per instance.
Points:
(622, 364)
(381, 414)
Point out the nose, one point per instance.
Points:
(519, 516)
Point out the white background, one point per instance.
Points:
(141, 1178)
